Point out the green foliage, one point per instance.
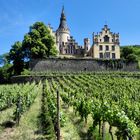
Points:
(25, 72)
(5, 73)
(39, 43)
(46, 119)
(126, 51)
(17, 57)
(9, 95)
(131, 58)
(106, 98)
(131, 53)
(24, 98)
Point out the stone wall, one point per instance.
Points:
(76, 65)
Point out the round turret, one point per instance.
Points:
(63, 32)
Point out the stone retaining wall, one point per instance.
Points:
(75, 65)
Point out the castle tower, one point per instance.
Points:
(62, 33)
(86, 45)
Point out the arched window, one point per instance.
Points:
(106, 38)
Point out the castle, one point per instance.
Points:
(105, 44)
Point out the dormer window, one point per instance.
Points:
(106, 38)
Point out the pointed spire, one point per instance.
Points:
(63, 17)
(63, 9)
(63, 24)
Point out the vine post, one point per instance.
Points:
(58, 115)
(18, 111)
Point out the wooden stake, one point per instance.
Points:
(58, 115)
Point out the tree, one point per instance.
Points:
(5, 73)
(16, 55)
(131, 58)
(5, 69)
(128, 54)
(126, 51)
(39, 43)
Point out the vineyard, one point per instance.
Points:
(87, 106)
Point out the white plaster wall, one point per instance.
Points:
(63, 36)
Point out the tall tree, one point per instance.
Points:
(39, 43)
(16, 55)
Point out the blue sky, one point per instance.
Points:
(83, 18)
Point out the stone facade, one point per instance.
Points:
(105, 44)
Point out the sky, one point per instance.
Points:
(83, 18)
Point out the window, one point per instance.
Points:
(71, 50)
(101, 55)
(107, 55)
(112, 40)
(113, 48)
(106, 38)
(113, 55)
(100, 47)
(85, 43)
(100, 40)
(106, 48)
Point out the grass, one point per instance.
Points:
(69, 131)
(28, 125)
(75, 128)
(5, 116)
